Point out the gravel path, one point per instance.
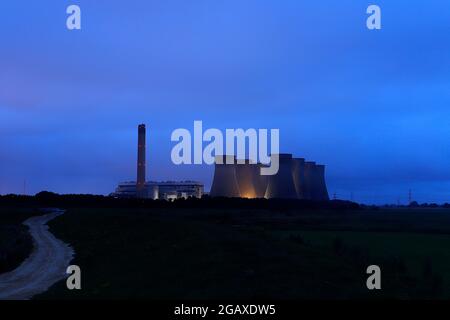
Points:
(45, 266)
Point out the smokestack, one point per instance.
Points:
(281, 185)
(298, 173)
(225, 182)
(140, 182)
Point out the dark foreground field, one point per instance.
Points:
(170, 253)
(15, 242)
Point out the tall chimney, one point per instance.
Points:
(140, 184)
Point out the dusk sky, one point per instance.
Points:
(373, 106)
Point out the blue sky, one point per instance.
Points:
(374, 106)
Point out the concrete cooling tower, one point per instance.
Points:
(225, 183)
(298, 174)
(281, 185)
(259, 181)
(246, 175)
(310, 176)
(322, 192)
(296, 179)
(250, 181)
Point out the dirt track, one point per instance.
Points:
(45, 266)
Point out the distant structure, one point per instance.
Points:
(310, 183)
(281, 185)
(296, 179)
(225, 183)
(298, 173)
(322, 191)
(170, 190)
(246, 178)
(260, 180)
(140, 184)
(167, 190)
(143, 189)
(129, 189)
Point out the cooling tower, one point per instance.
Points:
(225, 183)
(298, 174)
(259, 181)
(140, 182)
(309, 191)
(322, 192)
(246, 175)
(281, 185)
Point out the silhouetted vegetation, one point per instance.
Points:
(170, 254)
(181, 253)
(206, 248)
(49, 199)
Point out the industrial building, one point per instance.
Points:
(168, 190)
(296, 179)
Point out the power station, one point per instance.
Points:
(143, 189)
(296, 179)
(233, 178)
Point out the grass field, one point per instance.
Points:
(213, 254)
(418, 255)
(15, 242)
